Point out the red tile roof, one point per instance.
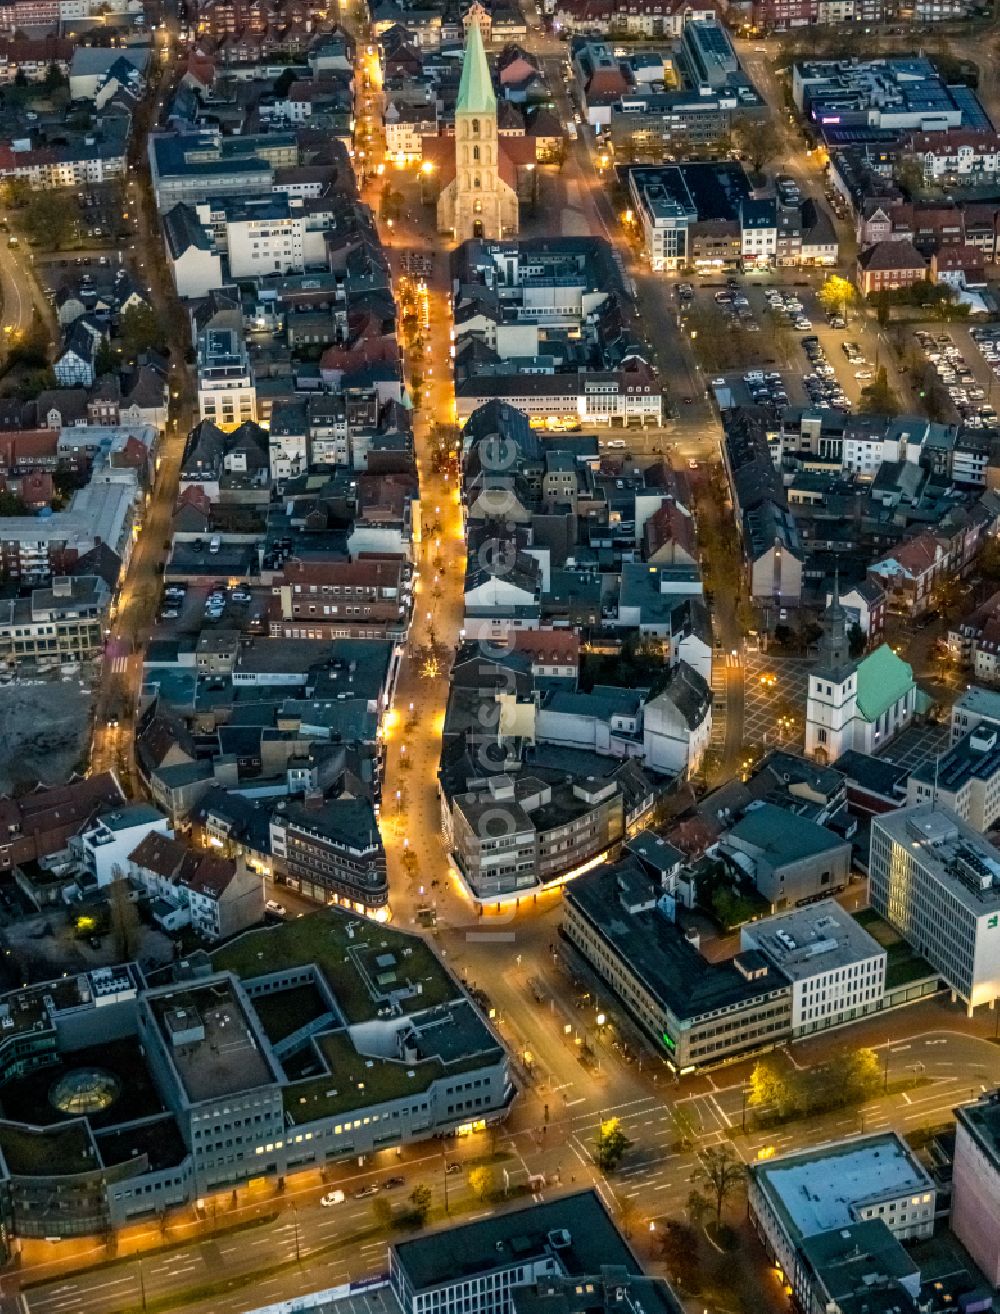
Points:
(552, 647)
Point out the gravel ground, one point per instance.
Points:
(44, 730)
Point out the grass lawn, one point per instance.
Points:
(356, 1081)
(877, 927)
(347, 962)
(902, 965)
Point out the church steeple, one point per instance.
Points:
(481, 202)
(475, 91)
(834, 648)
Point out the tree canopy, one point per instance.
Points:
(610, 1144)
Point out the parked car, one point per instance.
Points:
(332, 1198)
(275, 909)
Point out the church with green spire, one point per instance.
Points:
(480, 200)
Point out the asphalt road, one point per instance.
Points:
(509, 957)
(20, 295)
(116, 698)
(652, 1183)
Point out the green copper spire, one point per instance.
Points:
(475, 91)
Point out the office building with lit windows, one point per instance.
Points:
(320, 1039)
(937, 882)
(621, 921)
(847, 1205)
(836, 968)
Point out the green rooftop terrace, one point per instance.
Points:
(902, 965)
(356, 1081)
(62, 1150)
(356, 966)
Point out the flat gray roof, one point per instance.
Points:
(228, 1059)
(956, 855)
(817, 938)
(821, 1189)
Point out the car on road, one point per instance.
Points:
(393, 1183)
(275, 909)
(863, 374)
(692, 464)
(453, 1169)
(332, 1198)
(366, 1192)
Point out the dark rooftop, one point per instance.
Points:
(656, 950)
(575, 1229)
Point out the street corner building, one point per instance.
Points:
(289, 1048)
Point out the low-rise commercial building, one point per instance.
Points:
(974, 708)
(61, 623)
(104, 847)
(798, 1199)
(331, 851)
(697, 1013)
(965, 779)
(513, 834)
(705, 215)
(789, 858)
(198, 166)
(836, 968)
(197, 1082)
(558, 1251)
(226, 391)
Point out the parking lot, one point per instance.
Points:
(965, 372)
(798, 339)
(90, 276)
(187, 610)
